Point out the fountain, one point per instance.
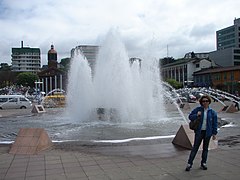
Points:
(119, 99)
(134, 93)
(129, 95)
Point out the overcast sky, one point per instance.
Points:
(181, 25)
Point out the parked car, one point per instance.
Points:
(14, 102)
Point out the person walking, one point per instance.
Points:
(207, 128)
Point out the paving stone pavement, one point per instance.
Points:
(143, 162)
(223, 163)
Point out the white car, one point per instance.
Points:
(14, 102)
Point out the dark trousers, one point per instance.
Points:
(197, 142)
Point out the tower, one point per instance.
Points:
(52, 57)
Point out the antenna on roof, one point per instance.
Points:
(167, 50)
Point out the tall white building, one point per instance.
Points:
(26, 59)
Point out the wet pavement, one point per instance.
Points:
(149, 160)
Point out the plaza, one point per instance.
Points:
(148, 160)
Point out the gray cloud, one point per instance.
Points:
(144, 25)
(199, 31)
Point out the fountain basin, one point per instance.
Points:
(60, 127)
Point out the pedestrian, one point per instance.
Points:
(207, 128)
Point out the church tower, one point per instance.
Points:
(52, 57)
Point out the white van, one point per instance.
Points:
(14, 102)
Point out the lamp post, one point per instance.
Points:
(37, 85)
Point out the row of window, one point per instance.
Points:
(205, 78)
(232, 41)
(236, 57)
(27, 61)
(236, 51)
(229, 36)
(24, 65)
(22, 69)
(26, 57)
(28, 53)
(226, 76)
(226, 31)
(2, 100)
(236, 63)
(216, 77)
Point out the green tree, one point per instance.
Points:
(27, 79)
(174, 83)
(166, 60)
(5, 67)
(65, 62)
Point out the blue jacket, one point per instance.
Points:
(212, 120)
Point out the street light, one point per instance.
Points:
(37, 83)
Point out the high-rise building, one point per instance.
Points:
(229, 37)
(26, 59)
(228, 46)
(89, 51)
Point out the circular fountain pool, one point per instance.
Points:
(60, 128)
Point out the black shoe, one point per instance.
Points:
(203, 166)
(189, 166)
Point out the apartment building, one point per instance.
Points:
(26, 59)
(229, 37)
(228, 46)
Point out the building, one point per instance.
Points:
(89, 51)
(229, 37)
(26, 59)
(192, 68)
(52, 57)
(52, 77)
(197, 55)
(182, 70)
(226, 57)
(228, 46)
(223, 78)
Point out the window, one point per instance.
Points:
(236, 63)
(13, 99)
(236, 51)
(23, 99)
(197, 65)
(231, 76)
(225, 76)
(3, 100)
(236, 57)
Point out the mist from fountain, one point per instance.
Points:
(80, 89)
(134, 91)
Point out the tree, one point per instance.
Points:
(5, 67)
(166, 60)
(65, 62)
(174, 83)
(27, 79)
